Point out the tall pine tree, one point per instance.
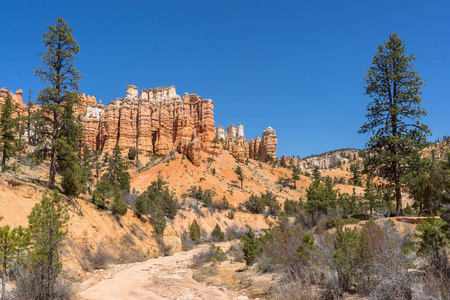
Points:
(47, 226)
(393, 116)
(61, 75)
(8, 126)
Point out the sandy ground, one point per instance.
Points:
(161, 278)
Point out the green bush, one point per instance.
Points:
(291, 207)
(255, 204)
(132, 153)
(119, 207)
(194, 232)
(251, 246)
(217, 234)
(157, 197)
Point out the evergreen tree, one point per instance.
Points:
(369, 192)
(240, 175)
(117, 174)
(295, 176)
(194, 232)
(321, 198)
(8, 125)
(13, 243)
(316, 173)
(251, 247)
(393, 117)
(57, 70)
(217, 234)
(47, 226)
(76, 174)
(356, 174)
(119, 206)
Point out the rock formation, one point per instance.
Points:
(156, 122)
(235, 142)
(16, 99)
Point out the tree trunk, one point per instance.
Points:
(53, 152)
(3, 159)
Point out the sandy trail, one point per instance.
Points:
(161, 278)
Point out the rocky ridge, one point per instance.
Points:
(235, 142)
(159, 121)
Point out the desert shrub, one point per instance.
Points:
(132, 153)
(165, 249)
(194, 232)
(29, 284)
(272, 203)
(230, 215)
(205, 197)
(291, 207)
(212, 254)
(433, 244)
(129, 251)
(292, 289)
(251, 246)
(129, 198)
(235, 232)
(255, 204)
(217, 234)
(235, 251)
(97, 258)
(186, 242)
(221, 204)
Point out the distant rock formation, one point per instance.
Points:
(235, 142)
(16, 99)
(156, 122)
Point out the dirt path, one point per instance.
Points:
(160, 278)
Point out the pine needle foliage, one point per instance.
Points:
(393, 116)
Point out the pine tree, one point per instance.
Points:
(119, 206)
(57, 70)
(13, 243)
(356, 174)
(8, 125)
(251, 247)
(47, 226)
(117, 174)
(295, 176)
(217, 234)
(240, 175)
(194, 232)
(316, 173)
(76, 172)
(393, 117)
(321, 198)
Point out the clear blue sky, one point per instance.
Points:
(296, 66)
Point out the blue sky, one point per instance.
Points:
(297, 66)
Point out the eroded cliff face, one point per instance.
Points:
(235, 142)
(156, 122)
(16, 99)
